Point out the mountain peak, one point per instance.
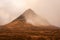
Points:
(29, 10)
(28, 13)
(32, 18)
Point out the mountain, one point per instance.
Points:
(32, 18)
(28, 19)
(22, 28)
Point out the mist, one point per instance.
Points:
(11, 9)
(48, 9)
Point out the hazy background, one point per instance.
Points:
(49, 9)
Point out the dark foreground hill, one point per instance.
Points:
(19, 29)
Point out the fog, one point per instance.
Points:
(48, 9)
(10, 10)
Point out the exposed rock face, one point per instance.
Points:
(22, 29)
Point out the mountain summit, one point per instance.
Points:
(32, 18)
